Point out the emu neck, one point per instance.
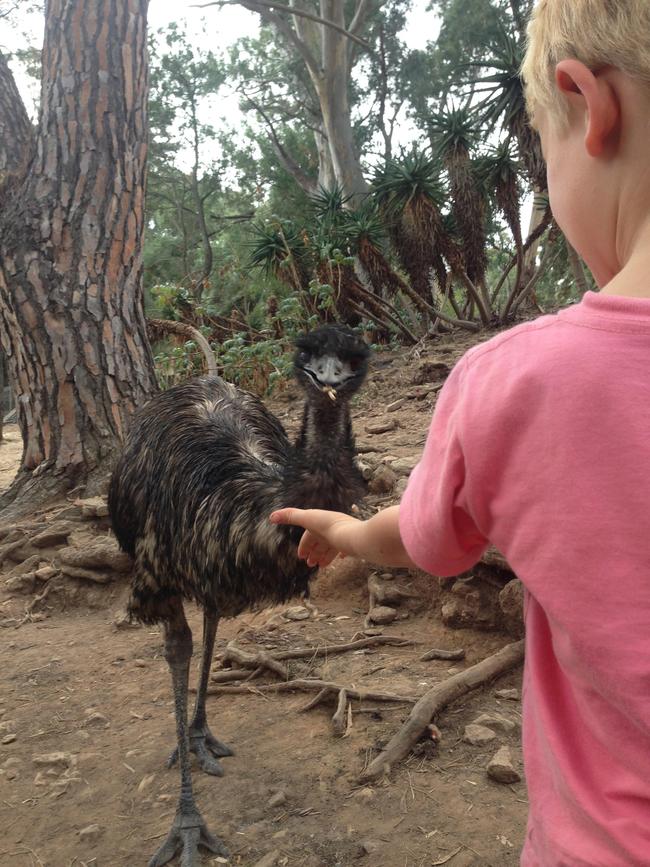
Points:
(325, 430)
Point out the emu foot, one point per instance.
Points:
(188, 832)
(207, 749)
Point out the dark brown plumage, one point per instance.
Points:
(190, 499)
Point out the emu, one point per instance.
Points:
(190, 498)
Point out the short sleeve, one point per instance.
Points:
(435, 521)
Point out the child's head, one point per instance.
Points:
(587, 81)
(598, 33)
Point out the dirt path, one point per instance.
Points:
(74, 684)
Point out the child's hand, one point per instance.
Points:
(327, 534)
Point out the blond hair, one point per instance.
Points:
(597, 32)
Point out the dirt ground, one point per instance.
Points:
(74, 683)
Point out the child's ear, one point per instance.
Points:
(592, 93)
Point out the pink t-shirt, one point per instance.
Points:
(540, 443)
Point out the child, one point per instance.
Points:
(540, 444)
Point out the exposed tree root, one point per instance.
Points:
(323, 687)
(261, 660)
(435, 700)
(451, 655)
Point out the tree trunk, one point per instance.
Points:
(71, 301)
(16, 134)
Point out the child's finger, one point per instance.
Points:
(288, 516)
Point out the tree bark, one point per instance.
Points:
(71, 301)
(16, 133)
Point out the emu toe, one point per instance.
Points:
(207, 749)
(188, 832)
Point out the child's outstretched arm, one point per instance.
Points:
(328, 534)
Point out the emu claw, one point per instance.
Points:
(207, 749)
(187, 833)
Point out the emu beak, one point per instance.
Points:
(330, 392)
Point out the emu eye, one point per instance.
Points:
(303, 357)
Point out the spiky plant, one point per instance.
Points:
(281, 249)
(365, 232)
(499, 172)
(453, 134)
(409, 195)
(502, 101)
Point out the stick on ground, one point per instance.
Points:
(435, 700)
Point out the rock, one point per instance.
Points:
(45, 573)
(9, 739)
(90, 833)
(55, 535)
(12, 762)
(269, 860)
(97, 719)
(382, 614)
(370, 846)
(404, 466)
(396, 404)
(383, 480)
(365, 469)
(501, 769)
(473, 603)
(430, 371)
(509, 694)
(277, 800)
(298, 612)
(140, 663)
(387, 591)
(93, 507)
(382, 426)
(401, 487)
(496, 721)
(511, 603)
(88, 574)
(366, 794)
(421, 392)
(54, 760)
(21, 583)
(41, 780)
(477, 736)
(104, 555)
(8, 726)
(12, 774)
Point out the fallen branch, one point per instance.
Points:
(452, 655)
(435, 700)
(248, 661)
(308, 685)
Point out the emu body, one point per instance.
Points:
(190, 499)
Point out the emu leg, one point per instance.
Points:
(188, 830)
(202, 742)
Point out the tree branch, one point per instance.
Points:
(250, 4)
(16, 131)
(302, 178)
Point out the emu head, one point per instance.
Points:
(331, 361)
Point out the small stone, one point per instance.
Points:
(281, 835)
(404, 466)
(298, 612)
(477, 736)
(382, 614)
(12, 774)
(366, 794)
(12, 762)
(45, 573)
(396, 404)
(41, 780)
(9, 739)
(57, 760)
(93, 507)
(97, 719)
(509, 694)
(501, 769)
(383, 480)
(8, 726)
(140, 663)
(90, 833)
(55, 535)
(370, 846)
(165, 798)
(496, 721)
(277, 800)
(382, 426)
